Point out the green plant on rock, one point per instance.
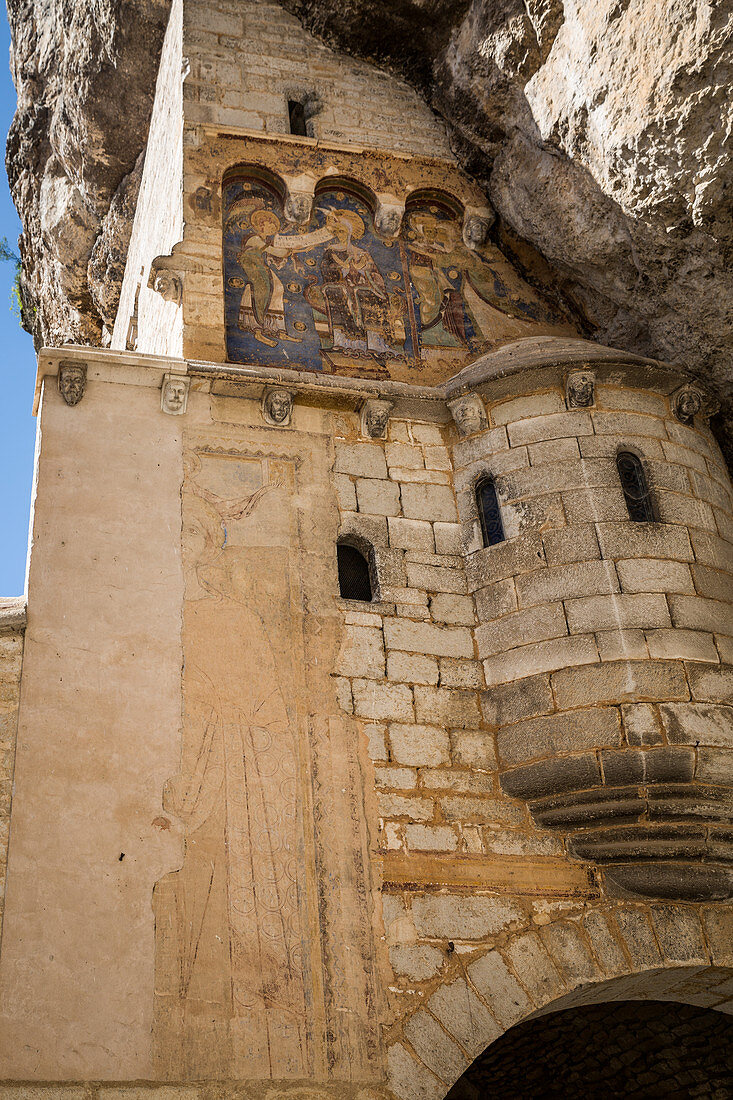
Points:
(9, 255)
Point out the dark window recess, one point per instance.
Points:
(635, 488)
(489, 512)
(298, 119)
(354, 579)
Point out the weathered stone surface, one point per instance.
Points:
(589, 125)
(73, 168)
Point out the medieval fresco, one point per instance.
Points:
(335, 296)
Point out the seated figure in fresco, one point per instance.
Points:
(457, 286)
(229, 975)
(351, 305)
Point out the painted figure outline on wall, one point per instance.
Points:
(231, 980)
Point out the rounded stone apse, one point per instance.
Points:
(606, 614)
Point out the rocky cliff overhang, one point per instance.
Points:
(597, 130)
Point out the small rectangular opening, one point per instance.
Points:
(296, 111)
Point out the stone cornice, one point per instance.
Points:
(534, 364)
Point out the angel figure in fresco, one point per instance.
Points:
(351, 304)
(262, 309)
(455, 284)
(234, 975)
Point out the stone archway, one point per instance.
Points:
(613, 1049)
(565, 965)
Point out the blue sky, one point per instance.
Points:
(17, 426)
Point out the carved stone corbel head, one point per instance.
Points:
(688, 402)
(375, 417)
(277, 406)
(476, 226)
(469, 414)
(72, 381)
(174, 394)
(169, 285)
(299, 206)
(580, 389)
(388, 216)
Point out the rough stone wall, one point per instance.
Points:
(596, 130)
(408, 664)
(599, 134)
(431, 909)
(241, 63)
(85, 77)
(248, 58)
(11, 660)
(596, 647)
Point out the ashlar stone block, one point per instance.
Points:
(451, 707)
(410, 534)
(378, 498)
(497, 986)
(565, 582)
(399, 806)
(418, 744)
(621, 681)
(412, 668)
(520, 628)
(362, 653)
(361, 459)
(431, 838)
(381, 700)
(441, 641)
(464, 1016)
(417, 961)
(409, 1078)
(531, 963)
(652, 575)
(529, 660)
(456, 917)
(439, 1053)
(429, 502)
(452, 608)
(569, 951)
(617, 611)
(448, 539)
(559, 733)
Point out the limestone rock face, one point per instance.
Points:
(596, 129)
(85, 76)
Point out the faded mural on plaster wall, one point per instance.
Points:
(335, 296)
(231, 956)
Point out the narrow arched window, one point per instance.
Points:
(355, 581)
(487, 502)
(635, 488)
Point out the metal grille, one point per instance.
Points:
(354, 580)
(635, 488)
(489, 512)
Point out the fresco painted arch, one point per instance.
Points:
(335, 296)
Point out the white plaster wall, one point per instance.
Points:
(98, 735)
(158, 224)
